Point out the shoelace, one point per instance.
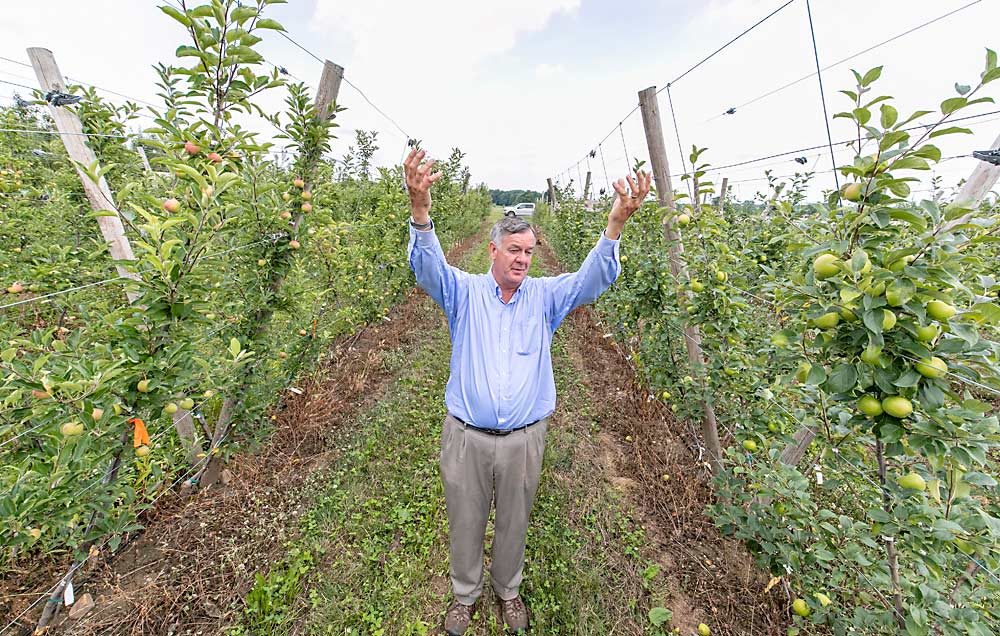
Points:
(516, 607)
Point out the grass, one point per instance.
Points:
(372, 552)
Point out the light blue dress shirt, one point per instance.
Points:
(501, 367)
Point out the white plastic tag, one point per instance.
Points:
(68, 597)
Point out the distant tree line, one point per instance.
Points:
(513, 197)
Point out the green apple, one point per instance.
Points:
(912, 481)
(933, 367)
(940, 310)
(888, 320)
(826, 265)
(800, 607)
(871, 355)
(72, 428)
(828, 320)
(851, 191)
(750, 446)
(870, 406)
(928, 333)
(803, 371)
(897, 406)
(187, 404)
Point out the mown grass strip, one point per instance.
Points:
(373, 551)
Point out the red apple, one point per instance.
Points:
(299, 183)
(286, 215)
(16, 288)
(294, 244)
(307, 207)
(191, 148)
(214, 157)
(172, 205)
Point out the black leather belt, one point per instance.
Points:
(494, 431)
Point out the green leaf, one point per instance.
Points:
(952, 104)
(8, 355)
(889, 115)
(991, 59)
(817, 375)
(893, 138)
(267, 23)
(899, 188)
(946, 529)
(187, 51)
(234, 347)
(871, 76)
(908, 379)
(862, 115)
(873, 320)
(842, 379)
(203, 11)
(916, 115)
(910, 163)
(242, 14)
(949, 131)
(991, 75)
(909, 216)
(659, 616)
(176, 15)
(928, 151)
(980, 479)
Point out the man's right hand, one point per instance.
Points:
(418, 184)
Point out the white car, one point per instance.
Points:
(521, 209)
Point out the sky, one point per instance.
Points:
(527, 88)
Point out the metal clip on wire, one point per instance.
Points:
(58, 98)
(989, 156)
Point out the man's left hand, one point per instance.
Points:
(629, 200)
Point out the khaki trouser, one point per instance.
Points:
(479, 469)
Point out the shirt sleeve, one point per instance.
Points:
(566, 292)
(441, 281)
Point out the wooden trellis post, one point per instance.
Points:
(671, 235)
(71, 131)
(722, 194)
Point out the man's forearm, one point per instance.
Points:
(614, 229)
(421, 214)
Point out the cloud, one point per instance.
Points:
(545, 70)
(414, 37)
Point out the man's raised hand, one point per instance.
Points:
(629, 199)
(418, 184)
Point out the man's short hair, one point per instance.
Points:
(509, 225)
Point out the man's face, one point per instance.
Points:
(512, 258)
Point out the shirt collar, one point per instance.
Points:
(499, 293)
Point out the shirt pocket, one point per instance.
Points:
(528, 339)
